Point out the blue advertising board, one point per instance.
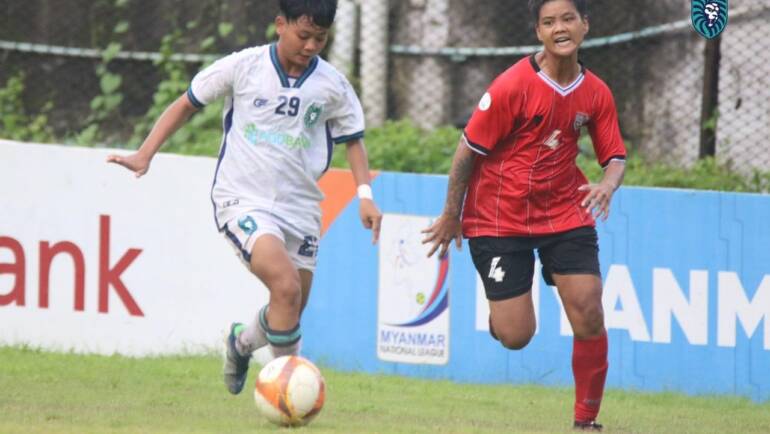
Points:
(686, 296)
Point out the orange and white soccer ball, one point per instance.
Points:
(290, 391)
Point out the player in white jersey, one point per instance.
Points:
(285, 108)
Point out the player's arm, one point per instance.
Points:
(448, 226)
(371, 217)
(175, 115)
(610, 152)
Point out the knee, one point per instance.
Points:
(515, 342)
(590, 320)
(287, 290)
(513, 339)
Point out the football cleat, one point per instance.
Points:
(236, 366)
(587, 426)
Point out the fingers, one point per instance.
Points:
(429, 238)
(459, 241)
(606, 213)
(444, 249)
(589, 197)
(376, 223)
(433, 249)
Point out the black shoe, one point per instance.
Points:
(587, 426)
(236, 366)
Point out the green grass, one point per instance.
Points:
(53, 393)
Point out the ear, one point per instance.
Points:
(537, 32)
(586, 26)
(280, 24)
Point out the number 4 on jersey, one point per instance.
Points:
(496, 272)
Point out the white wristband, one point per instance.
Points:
(365, 192)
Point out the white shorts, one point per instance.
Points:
(244, 230)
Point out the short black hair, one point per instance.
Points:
(536, 5)
(322, 12)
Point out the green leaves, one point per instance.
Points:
(111, 52)
(401, 146)
(15, 123)
(121, 28)
(225, 29)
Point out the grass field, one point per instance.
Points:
(65, 393)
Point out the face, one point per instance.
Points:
(300, 40)
(560, 28)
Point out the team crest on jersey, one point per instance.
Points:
(247, 225)
(709, 17)
(312, 114)
(486, 102)
(580, 120)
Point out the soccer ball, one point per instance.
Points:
(290, 391)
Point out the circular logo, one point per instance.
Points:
(420, 298)
(312, 114)
(486, 102)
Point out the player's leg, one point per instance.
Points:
(271, 263)
(254, 336)
(306, 280)
(302, 252)
(506, 270)
(512, 321)
(581, 297)
(260, 245)
(571, 263)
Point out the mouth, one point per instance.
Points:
(562, 41)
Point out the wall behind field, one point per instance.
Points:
(137, 267)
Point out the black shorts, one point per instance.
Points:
(507, 265)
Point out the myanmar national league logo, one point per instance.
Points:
(709, 17)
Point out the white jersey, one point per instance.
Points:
(279, 134)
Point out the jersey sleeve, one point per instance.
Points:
(493, 118)
(346, 118)
(604, 129)
(214, 81)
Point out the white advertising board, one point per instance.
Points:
(94, 260)
(413, 295)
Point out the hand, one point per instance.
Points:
(371, 217)
(135, 162)
(597, 201)
(442, 232)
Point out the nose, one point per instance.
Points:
(312, 46)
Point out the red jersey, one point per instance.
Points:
(526, 128)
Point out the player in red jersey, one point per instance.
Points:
(515, 179)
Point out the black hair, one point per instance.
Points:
(322, 12)
(536, 5)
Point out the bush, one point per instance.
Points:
(15, 123)
(400, 146)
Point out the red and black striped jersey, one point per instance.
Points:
(526, 129)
